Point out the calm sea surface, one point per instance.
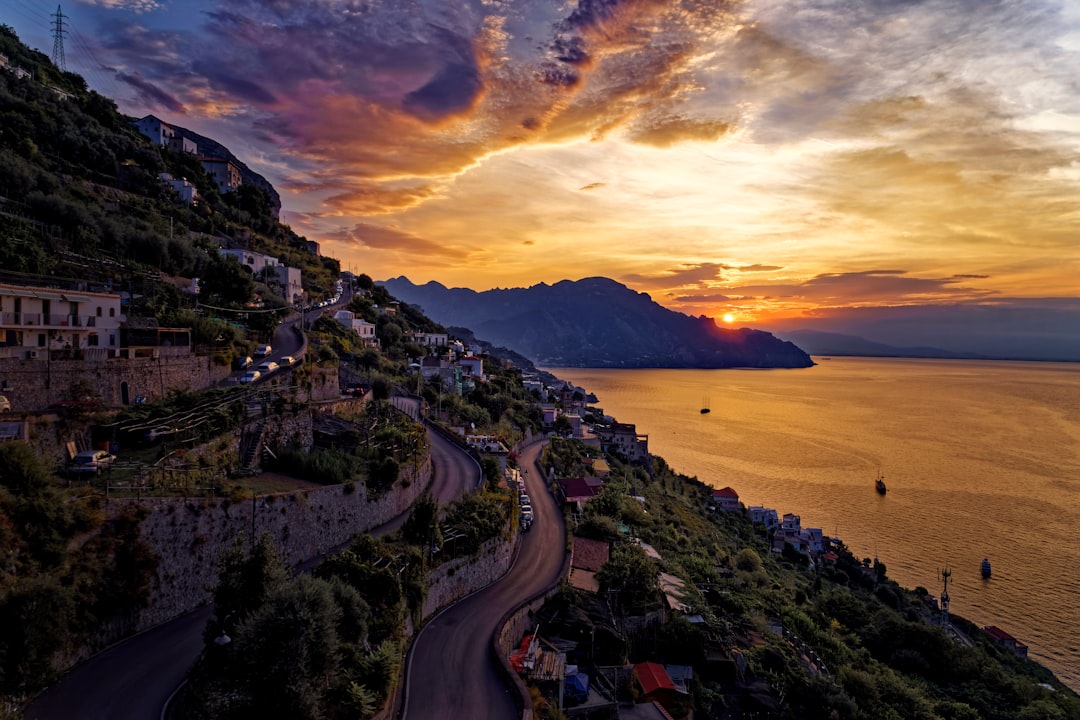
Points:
(982, 459)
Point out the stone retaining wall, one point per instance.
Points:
(451, 581)
(189, 535)
(36, 383)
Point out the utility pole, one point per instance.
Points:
(58, 39)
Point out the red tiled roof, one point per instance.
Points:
(726, 492)
(652, 677)
(578, 488)
(997, 633)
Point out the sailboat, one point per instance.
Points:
(879, 484)
(705, 407)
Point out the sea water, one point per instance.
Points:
(981, 459)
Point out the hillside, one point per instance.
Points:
(597, 322)
(81, 195)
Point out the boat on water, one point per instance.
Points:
(986, 569)
(879, 484)
(705, 407)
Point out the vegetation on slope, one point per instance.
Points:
(65, 570)
(854, 644)
(80, 197)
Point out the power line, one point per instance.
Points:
(58, 39)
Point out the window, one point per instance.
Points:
(112, 312)
(112, 340)
(41, 340)
(99, 311)
(92, 340)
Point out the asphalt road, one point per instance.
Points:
(133, 679)
(451, 672)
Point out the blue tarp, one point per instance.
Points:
(576, 686)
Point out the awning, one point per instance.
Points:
(77, 298)
(47, 295)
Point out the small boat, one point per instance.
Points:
(705, 408)
(879, 484)
(986, 569)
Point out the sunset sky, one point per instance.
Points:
(771, 159)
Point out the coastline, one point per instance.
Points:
(976, 597)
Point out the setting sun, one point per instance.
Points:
(729, 318)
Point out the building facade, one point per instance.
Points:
(39, 320)
(225, 173)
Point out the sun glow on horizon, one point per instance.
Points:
(728, 318)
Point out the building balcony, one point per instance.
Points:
(22, 320)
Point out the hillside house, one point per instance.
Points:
(39, 320)
(430, 340)
(163, 134)
(624, 438)
(764, 516)
(287, 279)
(726, 500)
(578, 491)
(361, 327)
(472, 366)
(1006, 640)
(224, 172)
(184, 189)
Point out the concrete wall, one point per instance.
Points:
(188, 536)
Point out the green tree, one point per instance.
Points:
(289, 650)
(422, 526)
(246, 580)
(491, 470)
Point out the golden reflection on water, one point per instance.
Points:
(982, 459)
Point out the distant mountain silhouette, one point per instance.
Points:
(596, 322)
(827, 343)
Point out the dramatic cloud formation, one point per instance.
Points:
(892, 154)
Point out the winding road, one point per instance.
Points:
(451, 671)
(134, 679)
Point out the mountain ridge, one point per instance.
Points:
(817, 342)
(597, 322)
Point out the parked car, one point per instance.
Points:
(250, 376)
(524, 500)
(355, 390)
(242, 363)
(263, 351)
(267, 367)
(288, 361)
(91, 461)
(5, 404)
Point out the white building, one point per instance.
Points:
(472, 367)
(765, 516)
(430, 339)
(254, 261)
(363, 328)
(184, 189)
(288, 279)
(726, 499)
(164, 135)
(36, 320)
(625, 438)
